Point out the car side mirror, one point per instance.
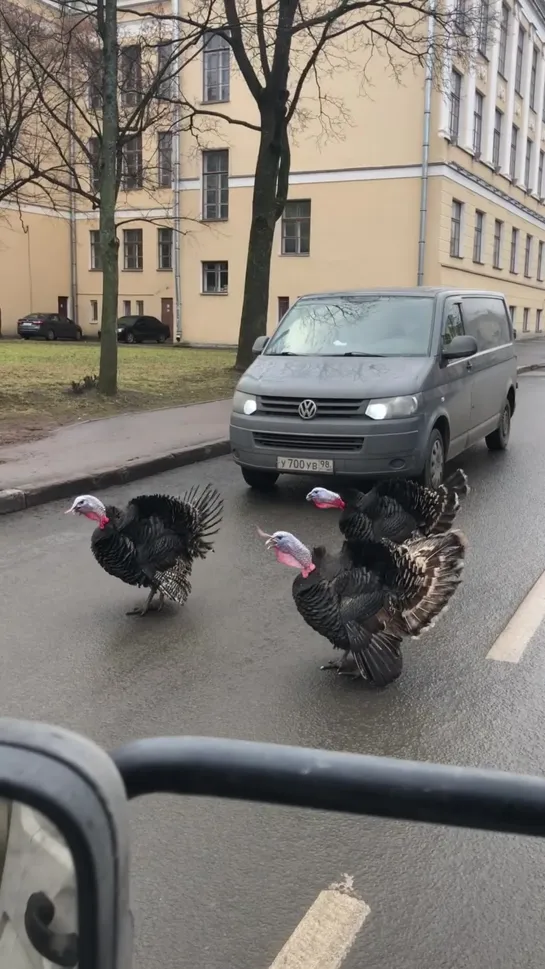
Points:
(64, 892)
(459, 348)
(260, 344)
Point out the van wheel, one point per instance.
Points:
(499, 439)
(260, 480)
(434, 468)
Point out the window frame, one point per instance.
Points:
(513, 152)
(533, 77)
(528, 252)
(139, 243)
(132, 181)
(478, 236)
(161, 251)
(478, 116)
(455, 101)
(521, 42)
(127, 66)
(456, 235)
(223, 54)
(216, 181)
(540, 254)
(513, 252)
(217, 264)
(498, 241)
(528, 163)
(162, 153)
(503, 37)
(496, 138)
(526, 319)
(95, 262)
(300, 222)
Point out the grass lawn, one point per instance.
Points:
(35, 383)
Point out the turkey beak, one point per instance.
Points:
(309, 496)
(270, 539)
(71, 510)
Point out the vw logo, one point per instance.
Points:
(307, 410)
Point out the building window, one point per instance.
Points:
(460, 16)
(130, 67)
(478, 123)
(540, 262)
(528, 255)
(533, 79)
(526, 319)
(94, 240)
(528, 162)
(164, 248)
(127, 310)
(133, 249)
(296, 228)
(482, 40)
(498, 236)
(455, 93)
(514, 251)
(540, 174)
(215, 168)
(132, 170)
(93, 149)
(538, 321)
(478, 237)
(165, 70)
(504, 29)
(215, 277)
(283, 306)
(496, 139)
(216, 68)
(543, 111)
(513, 314)
(513, 152)
(520, 58)
(164, 156)
(139, 307)
(455, 228)
(94, 311)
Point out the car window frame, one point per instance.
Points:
(477, 335)
(456, 301)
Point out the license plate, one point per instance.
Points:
(312, 465)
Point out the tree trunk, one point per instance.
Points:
(107, 380)
(253, 321)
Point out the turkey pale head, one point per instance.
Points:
(91, 507)
(323, 498)
(289, 551)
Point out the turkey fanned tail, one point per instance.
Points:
(435, 509)
(195, 517)
(430, 571)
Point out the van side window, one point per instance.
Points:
(485, 318)
(453, 325)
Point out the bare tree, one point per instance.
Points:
(100, 105)
(283, 48)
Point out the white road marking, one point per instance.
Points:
(512, 642)
(325, 935)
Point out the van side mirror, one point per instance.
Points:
(260, 344)
(459, 348)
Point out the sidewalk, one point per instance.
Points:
(530, 352)
(84, 457)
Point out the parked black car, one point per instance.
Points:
(141, 329)
(48, 326)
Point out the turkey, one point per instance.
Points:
(366, 598)
(154, 540)
(396, 509)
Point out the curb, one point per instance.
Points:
(17, 500)
(531, 366)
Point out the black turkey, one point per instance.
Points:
(366, 598)
(154, 540)
(396, 509)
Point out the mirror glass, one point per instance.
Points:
(38, 897)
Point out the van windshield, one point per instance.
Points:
(354, 325)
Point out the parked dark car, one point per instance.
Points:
(48, 326)
(141, 329)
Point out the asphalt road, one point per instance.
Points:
(219, 885)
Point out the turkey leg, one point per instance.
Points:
(147, 605)
(337, 664)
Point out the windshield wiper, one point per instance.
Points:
(359, 353)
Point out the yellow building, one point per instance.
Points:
(381, 205)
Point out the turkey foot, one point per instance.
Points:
(336, 664)
(148, 606)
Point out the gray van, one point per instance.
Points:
(377, 383)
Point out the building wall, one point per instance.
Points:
(34, 265)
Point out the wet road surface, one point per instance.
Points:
(222, 884)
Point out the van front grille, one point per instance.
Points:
(327, 407)
(307, 442)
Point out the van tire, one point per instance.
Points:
(499, 439)
(434, 468)
(260, 480)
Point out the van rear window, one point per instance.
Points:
(353, 325)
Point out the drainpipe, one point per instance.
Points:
(72, 207)
(428, 84)
(177, 187)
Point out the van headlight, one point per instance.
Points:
(391, 407)
(244, 403)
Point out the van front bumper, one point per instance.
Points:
(388, 448)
